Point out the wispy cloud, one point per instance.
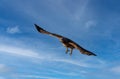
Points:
(31, 54)
(81, 10)
(116, 69)
(65, 73)
(4, 68)
(2, 78)
(18, 51)
(36, 77)
(13, 30)
(37, 57)
(72, 62)
(90, 24)
(22, 50)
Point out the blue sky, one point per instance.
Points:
(26, 54)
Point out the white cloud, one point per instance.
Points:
(52, 58)
(88, 62)
(81, 10)
(4, 68)
(39, 55)
(13, 30)
(2, 78)
(73, 62)
(90, 24)
(37, 76)
(116, 69)
(66, 73)
(18, 51)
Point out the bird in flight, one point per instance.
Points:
(68, 43)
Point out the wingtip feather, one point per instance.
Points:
(39, 28)
(90, 53)
(94, 54)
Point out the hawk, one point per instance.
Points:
(68, 43)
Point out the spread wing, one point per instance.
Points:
(41, 30)
(75, 45)
(81, 49)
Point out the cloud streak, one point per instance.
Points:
(4, 68)
(18, 51)
(90, 24)
(13, 30)
(36, 77)
(65, 73)
(116, 69)
(52, 58)
(81, 10)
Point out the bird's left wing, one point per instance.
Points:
(41, 30)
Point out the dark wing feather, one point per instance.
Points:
(41, 30)
(81, 49)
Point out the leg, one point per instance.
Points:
(66, 50)
(71, 51)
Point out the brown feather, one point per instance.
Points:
(41, 30)
(81, 49)
(66, 42)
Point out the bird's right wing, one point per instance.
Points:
(81, 49)
(41, 30)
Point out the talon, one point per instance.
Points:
(70, 54)
(67, 50)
